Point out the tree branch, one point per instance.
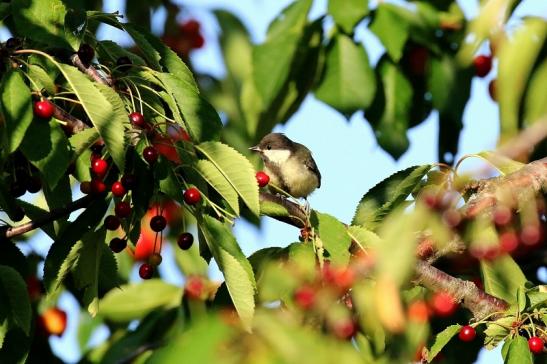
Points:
(73, 124)
(7, 232)
(91, 71)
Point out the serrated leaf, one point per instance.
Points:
(87, 268)
(496, 331)
(441, 340)
(16, 107)
(46, 147)
(108, 50)
(233, 264)
(389, 113)
(518, 352)
(347, 13)
(363, 237)
(200, 118)
(334, 237)
(63, 254)
(216, 179)
(104, 108)
(151, 55)
(81, 141)
(41, 79)
(237, 170)
(15, 302)
(383, 198)
(11, 256)
(348, 82)
(516, 57)
(42, 21)
(502, 278)
(503, 164)
(135, 300)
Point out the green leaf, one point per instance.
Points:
(348, 13)
(334, 237)
(63, 254)
(363, 237)
(383, 198)
(216, 179)
(11, 256)
(189, 346)
(391, 28)
(190, 262)
(4, 11)
(503, 164)
(80, 142)
(14, 302)
(151, 55)
(389, 113)
(109, 51)
(237, 270)
(88, 268)
(200, 118)
(237, 170)
(135, 300)
(536, 99)
(16, 107)
(516, 59)
(502, 278)
(46, 146)
(41, 79)
(537, 299)
(41, 21)
(441, 340)
(272, 60)
(348, 83)
(105, 110)
(518, 352)
(496, 331)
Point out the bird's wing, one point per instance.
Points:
(310, 164)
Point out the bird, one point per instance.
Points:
(289, 165)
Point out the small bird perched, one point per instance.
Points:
(290, 165)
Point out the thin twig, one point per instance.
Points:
(91, 71)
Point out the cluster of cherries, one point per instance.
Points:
(483, 66)
(186, 38)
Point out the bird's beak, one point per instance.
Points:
(256, 148)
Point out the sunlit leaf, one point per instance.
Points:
(16, 107)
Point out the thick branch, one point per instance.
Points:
(91, 71)
(477, 301)
(73, 124)
(10, 232)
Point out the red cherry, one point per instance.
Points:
(530, 234)
(158, 223)
(150, 154)
(194, 288)
(111, 222)
(34, 287)
(535, 344)
(99, 167)
(197, 41)
(190, 27)
(417, 60)
(129, 181)
(117, 244)
(443, 304)
(97, 187)
(192, 196)
(262, 178)
(53, 321)
(185, 241)
(85, 187)
(502, 215)
(137, 119)
(467, 333)
(122, 209)
(146, 271)
(344, 329)
(418, 312)
(118, 189)
(44, 109)
(508, 241)
(483, 65)
(86, 53)
(304, 297)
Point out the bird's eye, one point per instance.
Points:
(268, 147)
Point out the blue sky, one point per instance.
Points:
(346, 152)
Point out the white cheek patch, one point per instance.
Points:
(277, 156)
